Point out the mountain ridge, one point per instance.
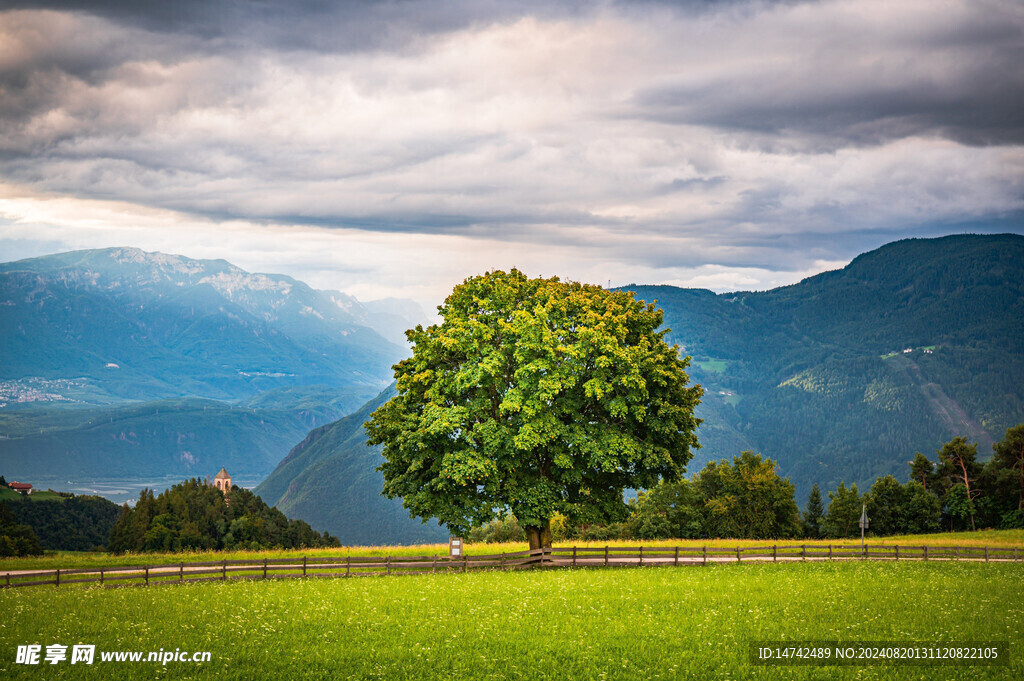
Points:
(840, 377)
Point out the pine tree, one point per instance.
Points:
(813, 514)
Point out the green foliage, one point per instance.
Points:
(901, 509)
(535, 397)
(958, 466)
(813, 514)
(748, 499)
(497, 531)
(922, 469)
(744, 499)
(669, 510)
(922, 511)
(958, 507)
(76, 523)
(844, 509)
(16, 539)
(1008, 458)
(195, 515)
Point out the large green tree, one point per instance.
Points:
(958, 464)
(813, 514)
(535, 397)
(748, 499)
(1009, 456)
(844, 508)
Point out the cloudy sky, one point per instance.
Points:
(395, 148)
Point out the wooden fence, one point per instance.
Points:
(563, 556)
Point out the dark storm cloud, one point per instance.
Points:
(651, 134)
(320, 25)
(960, 80)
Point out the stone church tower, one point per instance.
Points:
(222, 481)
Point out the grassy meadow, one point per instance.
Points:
(642, 623)
(72, 559)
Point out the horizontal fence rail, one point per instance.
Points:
(560, 556)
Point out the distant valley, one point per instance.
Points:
(119, 362)
(841, 377)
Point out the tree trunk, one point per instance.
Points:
(539, 537)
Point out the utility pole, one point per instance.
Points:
(863, 523)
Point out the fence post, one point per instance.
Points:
(502, 560)
(774, 554)
(677, 557)
(897, 552)
(641, 555)
(606, 555)
(264, 568)
(864, 552)
(147, 575)
(956, 552)
(181, 571)
(737, 554)
(830, 552)
(303, 566)
(803, 552)
(986, 554)
(58, 577)
(1014, 554)
(101, 578)
(925, 547)
(574, 556)
(348, 566)
(705, 552)
(388, 569)
(435, 563)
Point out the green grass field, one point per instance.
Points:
(637, 623)
(9, 495)
(70, 559)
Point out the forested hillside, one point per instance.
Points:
(845, 375)
(330, 480)
(839, 378)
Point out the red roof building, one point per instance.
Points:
(23, 487)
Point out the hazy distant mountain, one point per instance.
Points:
(118, 362)
(122, 324)
(845, 375)
(842, 376)
(330, 480)
(184, 437)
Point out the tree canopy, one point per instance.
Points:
(193, 515)
(535, 397)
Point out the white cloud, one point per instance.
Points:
(741, 146)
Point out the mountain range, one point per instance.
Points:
(840, 377)
(118, 361)
(330, 480)
(845, 375)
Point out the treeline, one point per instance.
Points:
(75, 523)
(16, 539)
(195, 515)
(747, 499)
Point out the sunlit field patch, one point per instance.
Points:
(71, 559)
(640, 623)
